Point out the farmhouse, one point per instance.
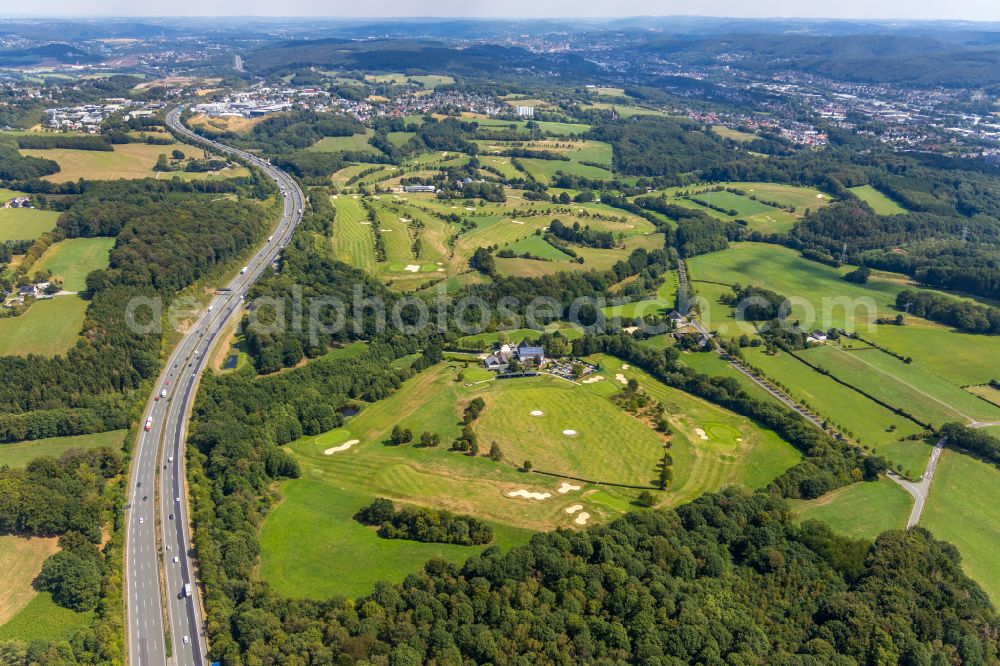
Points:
(818, 335)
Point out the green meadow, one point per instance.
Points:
(964, 508)
(861, 510)
(19, 454)
(50, 327)
(878, 201)
(72, 259)
(25, 223)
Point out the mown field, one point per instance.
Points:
(735, 135)
(49, 327)
(19, 453)
(355, 142)
(964, 508)
(737, 451)
(903, 385)
(861, 510)
(311, 531)
(72, 259)
(25, 223)
(757, 203)
(826, 300)
(878, 201)
(861, 418)
(353, 242)
(606, 444)
(128, 160)
(21, 559)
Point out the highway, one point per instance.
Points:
(150, 543)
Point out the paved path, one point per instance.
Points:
(920, 489)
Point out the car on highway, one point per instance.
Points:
(149, 423)
(186, 640)
(176, 559)
(141, 520)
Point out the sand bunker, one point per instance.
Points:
(365, 222)
(516, 222)
(591, 380)
(624, 366)
(412, 268)
(701, 433)
(620, 377)
(440, 270)
(537, 412)
(527, 494)
(566, 487)
(573, 509)
(819, 196)
(582, 518)
(569, 433)
(343, 447)
(405, 220)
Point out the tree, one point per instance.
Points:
(397, 435)
(645, 499)
(177, 154)
(495, 454)
(161, 163)
(526, 466)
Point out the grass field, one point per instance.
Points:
(665, 301)
(594, 259)
(826, 300)
(759, 215)
(737, 451)
(72, 259)
(850, 411)
(19, 453)
(311, 530)
(353, 241)
(625, 111)
(49, 327)
(735, 135)
(710, 363)
(879, 202)
(957, 357)
(128, 160)
(964, 509)
(355, 142)
(861, 510)
(22, 560)
(906, 386)
(538, 247)
(237, 125)
(609, 445)
(25, 223)
(516, 335)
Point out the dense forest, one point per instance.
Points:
(161, 229)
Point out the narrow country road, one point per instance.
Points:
(920, 490)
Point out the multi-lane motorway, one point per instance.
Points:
(158, 533)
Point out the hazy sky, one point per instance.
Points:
(983, 10)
